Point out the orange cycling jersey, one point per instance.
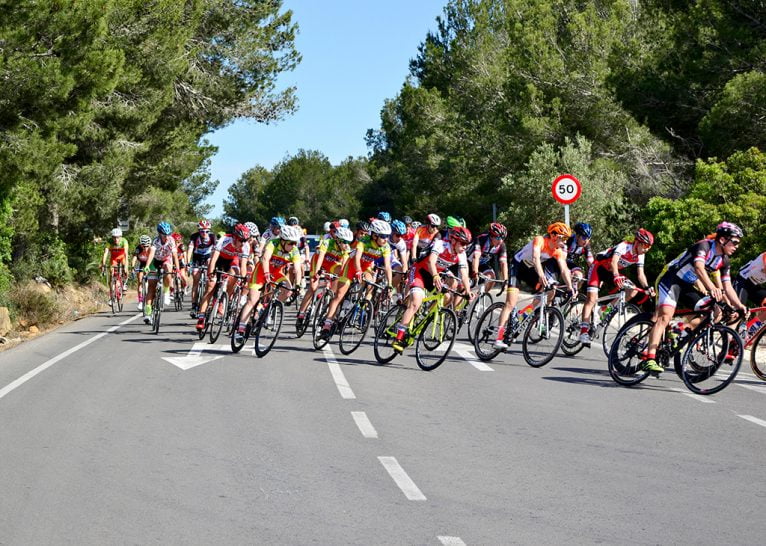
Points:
(118, 253)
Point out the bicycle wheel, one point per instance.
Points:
(112, 294)
(267, 327)
(542, 339)
(614, 322)
(385, 335)
(711, 360)
(236, 346)
(302, 326)
(570, 342)
(355, 326)
(120, 294)
(758, 355)
(157, 309)
(218, 315)
(628, 349)
(381, 309)
(480, 305)
(319, 318)
(435, 340)
(177, 293)
(486, 332)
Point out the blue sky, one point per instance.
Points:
(355, 55)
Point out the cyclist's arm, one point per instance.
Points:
(266, 261)
(405, 258)
(211, 264)
(150, 257)
(466, 281)
(175, 259)
(641, 274)
(414, 247)
(731, 295)
(190, 251)
(564, 268)
(614, 265)
(704, 278)
(475, 263)
(103, 258)
(387, 268)
(538, 264)
(319, 261)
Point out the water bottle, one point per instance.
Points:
(753, 325)
(605, 311)
(524, 313)
(345, 306)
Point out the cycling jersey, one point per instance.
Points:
(424, 240)
(369, 253)
(702, 251)
(163, 252)
(575, 252)
(202, 246)
(227, 250)
(420, 275)
(333, 257)
(489, 255)
(118, 253)
(548, 249)
(397, 252)
(280, 258)
(626, 250)
(142, 255)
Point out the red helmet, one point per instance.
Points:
(203, 224)
(498, 230)
(460, 234)
(241, 232)
(177, 237)
(645, 236)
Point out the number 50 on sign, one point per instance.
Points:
(566, 189)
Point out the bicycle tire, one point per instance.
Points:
(439, 329)
(384, 336)
(613, 324)
(112, 295)
(300, 329)
(700, 366)
(486, 332)
(267, 328)
(120, 295)
(318, 323)
(177, 294)
(630, 343)
(354, 327)
(758, 355)
(157, 309)
(553, 327)
(216, 321)
(570, 342)
(478, 308)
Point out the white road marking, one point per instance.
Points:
(756, 388)
(697, 397)
(364, 424)
(194, 357)
(401, 479)
(451, 541)
(753, 420)
(467, 353)
(50, 362)
(337, 374)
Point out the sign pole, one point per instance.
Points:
(566, 214)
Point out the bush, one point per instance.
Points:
(34, 303)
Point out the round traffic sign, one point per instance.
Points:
(566, 189)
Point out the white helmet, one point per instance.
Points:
(326, 227)
(434, 220)
(253, 229)
(379, 227)
(343, 222)
(344, 234)
(291, 233)
(116, 232)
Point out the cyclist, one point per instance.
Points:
(607, 269)
(750, 284)
(200, 249)
(275, 225)
(488, 253)
(385, 216)
(181, 251)
(330, 257)
(423, 237)
(255, 245)
(451, 222)
(424, 276)
(226, 257)
(138, 263)
(400, 256)
(537, 264)
(326, 227)
(303, 246)
(697, 263)
(278, 253)
(362, 230)
(117, 252)
(162, 258)
(579, 250)
(359, 265)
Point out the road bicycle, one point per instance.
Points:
(215, 314)
(265, 321)
(609, 314)
(357, 314)
(482, 302)
(178, 293)
(754, 338)
(322, 293)
(201, 287)
(707, 357)
(541, 328)
(159, 301)
(118, 279)
(433, 330)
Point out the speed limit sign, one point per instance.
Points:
(566, 189)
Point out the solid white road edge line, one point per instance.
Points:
(753, 420)
(697, 397)
(451, 541)
(337, 374)
(467, 353)
(401, 479)
(50, 362)
(364, 424)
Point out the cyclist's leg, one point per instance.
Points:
(511, 300)
(669, 291)
(596, 276)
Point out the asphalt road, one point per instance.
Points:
(104, 441)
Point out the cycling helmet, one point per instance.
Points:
(144, 240)
(344, 234)
(397, 226)
(241, 232)
(116, 232)
(498, 230)
(559, 228)
(386, 217)
(461, 234)
(293, 221)
(583, 229)
(727, 229)
(326, 227)
(645, 236)
(291, 233)
(416, 225)
(453, 222)
(407, 220)
(178, 238)
(434, 220)
(364, 226)
(203, 224)
(343, 223)
(277, 221)
(379, 227)
(254, 232)
(163, 228)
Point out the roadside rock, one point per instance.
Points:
(34, 330)
(5, 321)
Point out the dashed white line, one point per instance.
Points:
(364, 424)
(467, 353)
(50, 362)
(337, 374)
(451, 541)
(401, 479)
(697, 397)
(753, 420)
